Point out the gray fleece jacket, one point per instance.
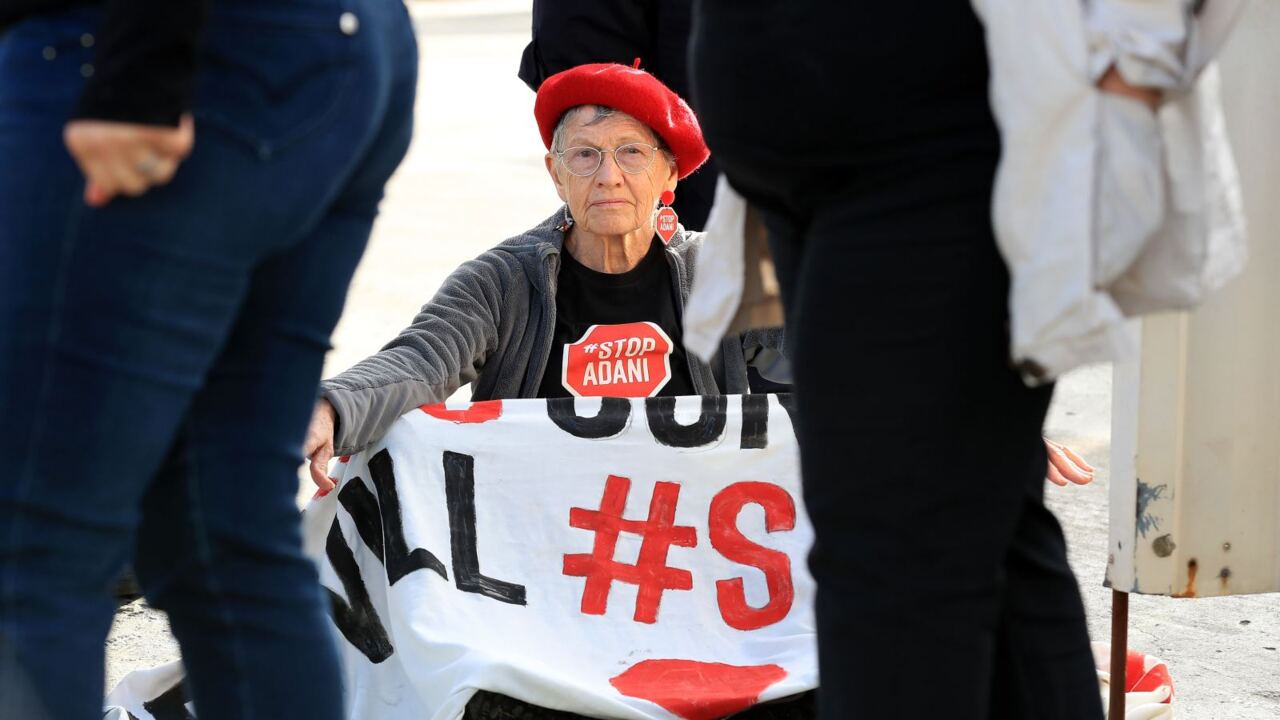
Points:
(492, 324)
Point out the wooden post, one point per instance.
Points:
(1119, 652)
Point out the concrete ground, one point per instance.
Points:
(475, 176)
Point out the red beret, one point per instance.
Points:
(634, 92)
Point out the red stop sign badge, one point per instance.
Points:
(630, 360)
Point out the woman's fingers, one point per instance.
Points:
(153, 167)
(1113, 82)
(180, 144)
(1063, 465)
(103, 179)
(1079, 461)
(125, 158)
(108, 175)
(128, 178)
(95, 193)
(320, 468)
(1055, 477)
(317, 446)
(318, 449)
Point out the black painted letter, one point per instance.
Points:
(613, 418)
(755, 422)
(398, 559)
(460, 494)
(358, 622)
(704, 431)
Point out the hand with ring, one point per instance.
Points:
(126, 158)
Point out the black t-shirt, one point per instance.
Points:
(617, 335)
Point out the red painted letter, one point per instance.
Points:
(779, 514)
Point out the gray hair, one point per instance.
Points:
(601, 112)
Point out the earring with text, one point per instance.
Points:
(666, 221)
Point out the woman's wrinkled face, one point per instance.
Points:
(610, 202)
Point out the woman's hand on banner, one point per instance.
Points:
(318, 445)
(1066, 466)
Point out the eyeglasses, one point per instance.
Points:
(584, 161)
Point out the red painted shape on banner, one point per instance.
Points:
(779, 514)
(479, 412)
(628, 360)
(697, 690)
(650, 574)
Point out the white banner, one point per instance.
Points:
(614, 558)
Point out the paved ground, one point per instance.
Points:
(474, 176)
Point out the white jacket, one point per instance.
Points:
(1102, 209)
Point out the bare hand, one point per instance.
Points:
(318, 445)
(1066, 466)
(126, 158)
(1113, 82)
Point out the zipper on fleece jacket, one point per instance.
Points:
(550, 273)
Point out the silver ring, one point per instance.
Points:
(147, 168)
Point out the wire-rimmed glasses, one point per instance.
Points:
(584, 161)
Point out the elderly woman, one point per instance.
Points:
(617, 140)
(596, 271)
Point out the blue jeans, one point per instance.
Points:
(159, 357)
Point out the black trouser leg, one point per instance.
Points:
(937, 563)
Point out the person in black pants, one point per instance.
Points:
(569, 33)
(864, 133)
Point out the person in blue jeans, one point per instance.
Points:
(185, 190)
